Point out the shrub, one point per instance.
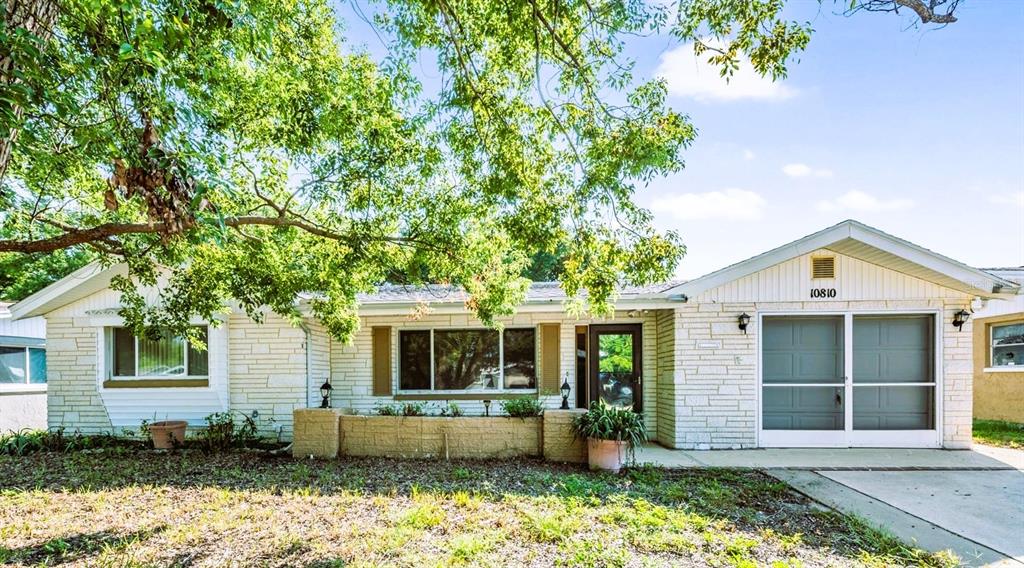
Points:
(451, 409)
(28, 441)
(522, 407)
(603, 422)
(222, 433)
(385, 409)
(414, 409)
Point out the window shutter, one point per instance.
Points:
(549, 356)
(381, 361)
(823, 267)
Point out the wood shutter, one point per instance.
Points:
(549, 356)
(382, 361)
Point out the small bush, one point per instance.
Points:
(451, 409)
(222, 433)
(385, 409)
(414, 409)
(522, 407)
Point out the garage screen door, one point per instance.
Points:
(893, 373)
(803, 373)
(848, 380)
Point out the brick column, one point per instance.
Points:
(317, 432)
(560, 444)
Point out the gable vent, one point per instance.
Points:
(823, 267)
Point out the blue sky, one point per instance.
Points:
(916, 131)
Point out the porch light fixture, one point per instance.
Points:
(565, 393)
(960, 318)
(325, 391)
(487, 408)
(744, 320)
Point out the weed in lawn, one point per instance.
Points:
(422, 516)
(464, 474)
(999, 433)
(549, 526)
(466, 548)
(589, 553)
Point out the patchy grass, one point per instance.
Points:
(193, 509)
(999, 433)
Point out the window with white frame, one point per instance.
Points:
(132, 357)
(467, 359)
(20, 365)
(1008, 345)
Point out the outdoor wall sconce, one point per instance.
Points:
(325, 391)
(487, 408)
(960, 318)
(744, 321)
(565, 393)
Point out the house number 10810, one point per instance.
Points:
(823, 292)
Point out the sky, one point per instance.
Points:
(918, 131)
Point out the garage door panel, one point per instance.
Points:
(893, 408)
(802, 408)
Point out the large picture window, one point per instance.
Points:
(133, 357)
(467, 360)
(22, 365)
(1008, 345)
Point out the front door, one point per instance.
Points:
(615, 365)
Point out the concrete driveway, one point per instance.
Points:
(971, 502)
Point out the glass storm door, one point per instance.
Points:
(615, 365)
(803, 384)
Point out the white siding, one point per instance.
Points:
(855, 280)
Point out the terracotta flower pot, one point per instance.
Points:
(606, 454)
(167, 434)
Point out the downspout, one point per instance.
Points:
(309, 360)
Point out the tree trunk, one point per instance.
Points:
(37, 17)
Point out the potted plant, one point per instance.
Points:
(167, 434)
(611, 434)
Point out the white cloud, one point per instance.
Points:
(1013, 199)
(860, 201)
(690, 75)
(803, 170)
(726, 204)
(748, 155)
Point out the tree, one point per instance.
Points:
(22, 275)
(244, 151)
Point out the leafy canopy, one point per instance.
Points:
(243, 151)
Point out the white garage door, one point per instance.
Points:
(848, 380)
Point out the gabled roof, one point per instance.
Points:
(857, 240)
(87, 280)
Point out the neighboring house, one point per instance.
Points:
(999, 354)
(845, 337)
(22, 372)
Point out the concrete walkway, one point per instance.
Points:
(968, 501)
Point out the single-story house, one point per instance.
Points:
(846, 337)
(999, 353)
(22, 372)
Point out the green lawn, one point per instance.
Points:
(121, 507)
(999, 433)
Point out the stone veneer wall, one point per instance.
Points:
(327, 433)
(436, 436)
(72, 400)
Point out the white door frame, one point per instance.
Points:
(848, 437)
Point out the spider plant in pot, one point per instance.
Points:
(612, 433)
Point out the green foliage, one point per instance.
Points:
(22, 275)
(999, 433)
(28, 441)
(222, 432)
(522, 407)
(616, 353)
(401, 409)
(244, 151)
(604, 422)
(451, 409)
